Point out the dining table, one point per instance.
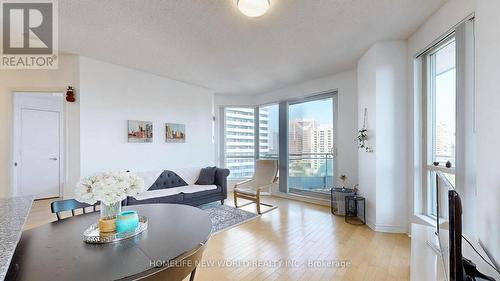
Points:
(57, 251)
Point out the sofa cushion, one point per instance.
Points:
(173, 191)
(196, 188)
(149, 177)
(207, 176)
(202, 193)
(189, 175)
(176, 198)
(167, 180)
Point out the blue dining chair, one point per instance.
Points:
(70, 205)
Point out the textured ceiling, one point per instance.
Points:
(209, 43)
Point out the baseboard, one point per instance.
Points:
(387, 228)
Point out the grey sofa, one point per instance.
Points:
(169, 179)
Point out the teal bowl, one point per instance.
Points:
(127, 221)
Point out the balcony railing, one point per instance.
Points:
(307, 172)
(310, 173)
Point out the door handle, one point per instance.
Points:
(53, 158)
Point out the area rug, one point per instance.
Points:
(224, 217)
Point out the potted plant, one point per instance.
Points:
(362, 138)
(110, 188)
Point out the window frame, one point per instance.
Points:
(429, 125)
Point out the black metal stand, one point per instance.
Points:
(337, 199)
(354, 207)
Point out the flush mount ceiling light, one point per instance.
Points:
(253, 8)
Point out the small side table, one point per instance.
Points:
(337, 199)
(355, 212)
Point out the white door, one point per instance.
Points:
(40, 153)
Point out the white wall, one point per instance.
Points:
(40, 81)
(391, 144)
(111, 95)
(346, 85)
(382, 173)
(367, 75)
(488, 120)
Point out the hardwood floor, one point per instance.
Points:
(297, 241)
(40, 213)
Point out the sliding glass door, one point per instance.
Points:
(311, 146)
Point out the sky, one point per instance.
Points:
(445, 86)
(320, 110)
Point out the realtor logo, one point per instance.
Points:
(29, 34)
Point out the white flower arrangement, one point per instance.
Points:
(108, 187)
(362, 138)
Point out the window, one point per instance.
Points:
(445, 122)
(308, 138)
(242, 142)
(239, 141)
(269, 132)
(441, 118)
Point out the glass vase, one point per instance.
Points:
(110, 211)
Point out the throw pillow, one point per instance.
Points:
(207, 176)
(167, 179)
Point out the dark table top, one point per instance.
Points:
(56, 251)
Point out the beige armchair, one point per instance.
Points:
(265, 176)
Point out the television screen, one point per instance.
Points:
(443, 185)
(454, 262)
